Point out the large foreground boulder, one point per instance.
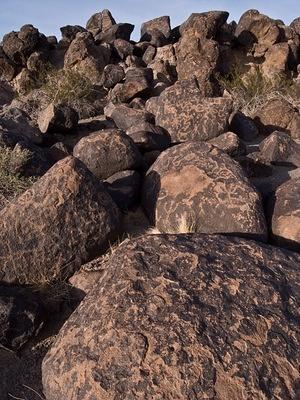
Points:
(285, 218)
(187, 115)
(195, 187)
(62, 221)
(183, 317)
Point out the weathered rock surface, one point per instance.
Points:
(57, 118)
(107, 152)
(230, 143)
(187, 115)
(195, 187)
(279, 115)
(183, 317)
(149, 137)
(101, 21)
(126, 117)
(116, 31)
(21, 316)
(285, 217)
(62, 221)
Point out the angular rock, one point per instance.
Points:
(186, 115)
(101, 21)
(276, 60)
(86, 57)
(117, 31)
(69, 32)
(149, 137)
(124, 188)
(126, 117)
(230, 143)
(8, 70)
(137, 83)
(123, 48)
(195, 187)
(7, 93)
(183, 317)
(16, 121)
(161, 24)
(57, 118)
(21, 316)
(65, 219)
(279, 147)
(285, 215)
(295, 24)
(112, 74)
(278, 115)
(107, 152)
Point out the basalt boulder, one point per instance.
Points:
(195, 187)
(57, 118)
(186, 115)
(126, 117)
(183, 317)
(64, 219)
(101, 21)
(161, 24)
(284, 209)
(107, 152)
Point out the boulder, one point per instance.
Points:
(280, 148)
(13, 120)
(276, 60)
(8, 70)
(21, 316)
(57, 118)
(107, 152)
(69, 32)
(112, 74)
(7, 93)
(137, 83)
(295, 24)
(116, 31)
(101, 21)
(123, 48)
(186, 115)
(86, 57)
(149, 137)
(19, 45)
(64, 219)
(230, 143)
(197, 51)
(285, 215)
(278, 115)
(161, 24)
(183, 317)
(124, 188)
(126, 117)
(195, 187)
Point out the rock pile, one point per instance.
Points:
(191, 133)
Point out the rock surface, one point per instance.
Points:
(107, 152)
(195, 187)
(57, 118)
(285, 217)
(62, 221)
(183, 317)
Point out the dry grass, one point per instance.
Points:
(252, 90)
(66, 86)
(11, 185)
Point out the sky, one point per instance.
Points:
(49, 15)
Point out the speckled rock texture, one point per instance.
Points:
(183, 317)
(57, 118)
(285, 215)
(195, 187)
(107, 152)
(187, 115)
(61, 222)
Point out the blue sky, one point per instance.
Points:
(50, 15)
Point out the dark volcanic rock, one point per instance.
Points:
(230, 143)
(112, 74)
(187, 115)
(21, 316)
(117, 31)
(280, 148)
(126, 117)
(284, 208)
(161, 24)
(183, 317)
(57, 118)
(124, 188)
(69, 32)
(107, 152)
(61, 222)
(195, 187)
(149, 137)
(244, 127)
(101, 21)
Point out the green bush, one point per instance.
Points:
(251, 91)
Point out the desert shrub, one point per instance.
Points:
(251, 91)
(11, 185)
(66, 86)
